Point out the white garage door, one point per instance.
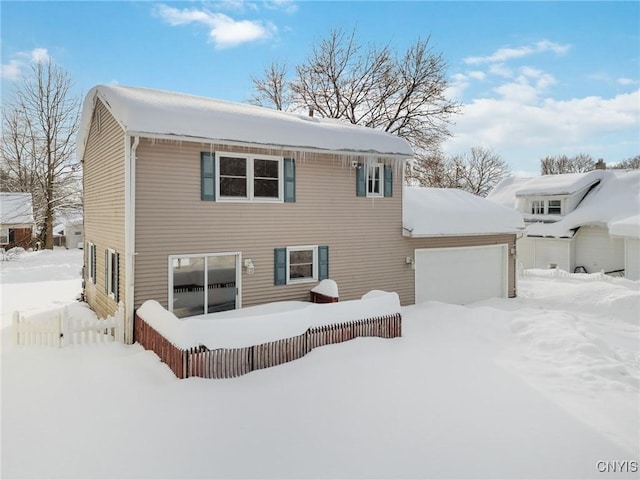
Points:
(461, 275)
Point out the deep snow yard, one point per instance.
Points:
(542, 386)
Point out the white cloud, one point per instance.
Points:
(458, 84)
(626, 81)
(287, 6)
(478, 75)
(15, 67)
(224, 31)
(500, 70)
(508, 53)
(522, 132)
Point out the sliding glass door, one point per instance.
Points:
(205, 283)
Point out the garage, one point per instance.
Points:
(461, 275)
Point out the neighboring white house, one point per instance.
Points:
(71, 231)
(579, 222)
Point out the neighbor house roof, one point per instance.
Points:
(16, 209)
(564, 184)
(614, 202)
(448, 211)
(143, 111)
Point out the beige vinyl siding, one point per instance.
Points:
(104, 205)
(366, 248)
(364, 235)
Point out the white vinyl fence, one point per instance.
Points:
(62, 329)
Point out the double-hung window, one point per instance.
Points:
(375, 180)
(111, 272)
(555, 207)
(301, 264)
(537, 207)
(4, 236)
(235, 177)
(546, 207)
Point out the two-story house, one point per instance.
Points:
(579, 222)
(206, 205)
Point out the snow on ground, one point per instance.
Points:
(542, 386)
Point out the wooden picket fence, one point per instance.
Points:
(233, 362)
(61, 329)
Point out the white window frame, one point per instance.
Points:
(4, 235)
(111, 255)
(238, 256)
(91, 262)
(547, 205)
(314, 266)
(373, 167)
(543, 206)
(250, 178)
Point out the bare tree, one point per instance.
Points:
(632, 163)
(272, 90)
(401, 94)
(38, 148)
(477, 171)
(562, 164)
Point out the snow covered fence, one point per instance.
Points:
(64, 329)
(559, 273)
(201, 361)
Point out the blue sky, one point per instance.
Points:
(535, 78)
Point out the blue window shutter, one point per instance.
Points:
(106, 272)
(289, 180)
(116, 276)
(92, 251)
(207, 176)
(361, 181)
(280, 266)
(323, 262)
(388, 181)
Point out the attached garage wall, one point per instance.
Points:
(415, 244)
(597, 251)
(632, 259)
(462, 275)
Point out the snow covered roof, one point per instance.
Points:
(15, 209)
(614, 202)
(564, 184)
(143, 111)
(504, 192)
(448, 211)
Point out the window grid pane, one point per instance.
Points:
(300, 264)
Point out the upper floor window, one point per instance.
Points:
(537, 207)
(374, 180)
(375, 176)
(239, 177)
(555, 207)
(546, 207)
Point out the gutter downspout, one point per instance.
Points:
(129, 232)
